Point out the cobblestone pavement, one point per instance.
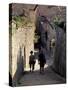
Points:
(35, 78)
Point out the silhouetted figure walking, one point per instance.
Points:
(50, 45)
(31, 61)
(46, 35)
(42, 61)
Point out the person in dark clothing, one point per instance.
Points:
(42, 62)
(46, 35)
(50, 45)
(31, 61)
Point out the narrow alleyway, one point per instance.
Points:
(35, 78)
(41, 30)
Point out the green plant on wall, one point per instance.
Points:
(56, 20)
(60, 23)
(19, 21)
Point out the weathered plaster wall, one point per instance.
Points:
(59, 64)
(22, 39)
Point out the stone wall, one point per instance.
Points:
(51, 34)
(59, 64)
(22, 43)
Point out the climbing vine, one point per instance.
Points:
(56, 20)
(19, 21)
